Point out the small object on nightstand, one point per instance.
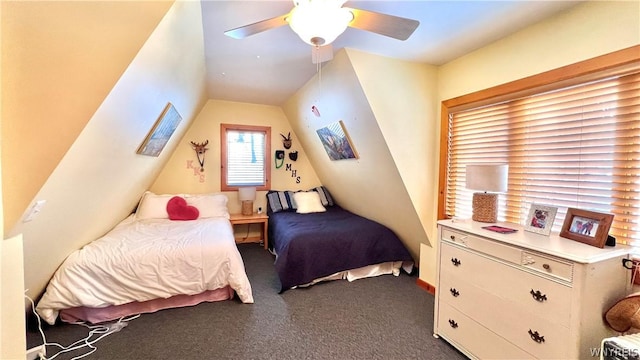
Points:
(259, 210)
(247, 195)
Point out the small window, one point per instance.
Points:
(245, 156)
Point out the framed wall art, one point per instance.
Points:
(161, 132)
(540, 219)
(336, 141)
(587, 227)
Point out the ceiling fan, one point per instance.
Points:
(320, 22)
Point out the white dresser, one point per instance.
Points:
(524, 295)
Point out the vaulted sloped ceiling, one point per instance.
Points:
(59, 61)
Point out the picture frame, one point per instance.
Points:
(540, 219)
(336, 141)
(161, 132)
(587, 227)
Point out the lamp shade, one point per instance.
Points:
(319, 22)
(487, 177)
(247, 193)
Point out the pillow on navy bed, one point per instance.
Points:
(325, 196)
(280, 201)
(308, 202)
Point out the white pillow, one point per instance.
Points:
(153, 206)
(308, 202)
(209, 205)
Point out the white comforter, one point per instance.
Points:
(148, 259)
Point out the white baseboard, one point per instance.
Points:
(34, 352)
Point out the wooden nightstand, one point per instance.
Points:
(237, 219)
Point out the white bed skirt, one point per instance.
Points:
(386, 268)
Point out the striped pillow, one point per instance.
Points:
(325, 196)
(280, 201)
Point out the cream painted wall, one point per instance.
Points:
(60, 60)
(582, 32)
(179, 177)
(12, 320)
(370, 185)
(100, 178)
(406, 116)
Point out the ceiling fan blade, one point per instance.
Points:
(258, 27)
(384, 24)
(320, 54)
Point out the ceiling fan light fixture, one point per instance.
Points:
(319, 22)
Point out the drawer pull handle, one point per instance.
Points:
(454, 292)
(455, 262)
(534, 336)
(546, 267)
(538, 296)
(454, 324)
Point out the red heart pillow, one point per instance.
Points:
(178, 209)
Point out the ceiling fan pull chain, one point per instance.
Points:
(319, 72)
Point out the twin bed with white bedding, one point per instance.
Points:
(150, 262)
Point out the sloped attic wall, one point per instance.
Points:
(371, 185)
(60, 60)
(101, 178)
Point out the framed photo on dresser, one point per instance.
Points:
(587, 227)
(540, 219)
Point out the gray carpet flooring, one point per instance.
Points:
(385, 317)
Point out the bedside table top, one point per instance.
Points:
(254, 216)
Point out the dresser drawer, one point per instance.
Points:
(474, 338)
(547, 265)
(504, 252)
(541, 296)
(513, 321)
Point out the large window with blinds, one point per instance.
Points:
(576, 146)
(245, 156)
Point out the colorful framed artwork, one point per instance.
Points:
(540, 219)
(336, 141)
(161, 132)
(588, 227)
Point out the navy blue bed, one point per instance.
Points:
(315, 245)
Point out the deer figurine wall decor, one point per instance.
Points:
(200, 149)
(286, 142)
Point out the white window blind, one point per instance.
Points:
(575, 147)
(245, 158)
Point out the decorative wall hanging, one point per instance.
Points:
(200, 149)
(293, 155)
(279, 158)
(587, 227)
(161, 132)
(286, 142)
(336, 141)
(315, 111)
(196, 171)
(294, 172)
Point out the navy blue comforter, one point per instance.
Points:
(310, 246)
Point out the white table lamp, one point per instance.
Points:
(247, 194)
(491, 179)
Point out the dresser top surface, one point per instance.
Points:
(552, 244)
